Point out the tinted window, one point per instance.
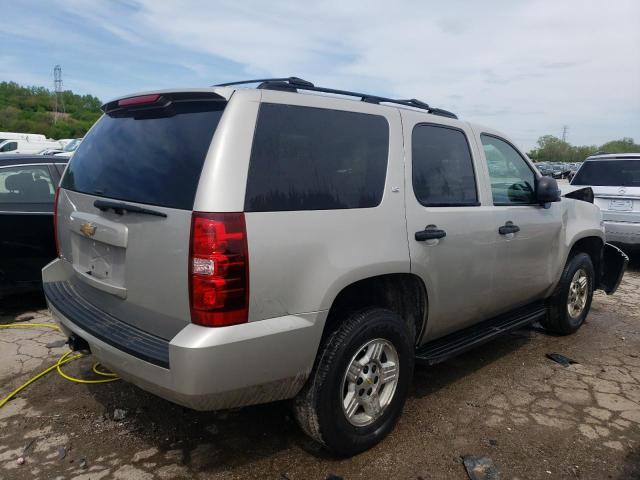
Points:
(9, 147)
(512, 181)
(614, 173)
(60, 167)
(26, 185)
(442, 167)
(154, 158)
(316, 159)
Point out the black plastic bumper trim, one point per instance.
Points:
(105, 327)
(614, 265)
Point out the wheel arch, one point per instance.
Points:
(402, 293)
(592, 246)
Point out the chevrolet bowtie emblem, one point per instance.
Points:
(88, 229)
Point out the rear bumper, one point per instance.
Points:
(208, 368)
(626, 233)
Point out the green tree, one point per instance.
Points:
(624, 145)
(30, 110)
(553, 149)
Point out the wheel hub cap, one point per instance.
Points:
(369, 382)
(578, 293)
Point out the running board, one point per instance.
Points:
(455, 343)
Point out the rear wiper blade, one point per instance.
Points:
(120, 208)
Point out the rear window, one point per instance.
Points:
(26, 184)
(613, 173)
(154, 156)
(307, 158)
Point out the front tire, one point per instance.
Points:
(359, 384)
(570, 304)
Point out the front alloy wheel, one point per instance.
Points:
(570, 303)
(578, 293)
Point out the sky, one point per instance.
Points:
(525, 67)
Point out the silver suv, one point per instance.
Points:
(615, 180)
(229, 246)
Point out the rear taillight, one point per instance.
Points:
(218, 269)
(55, 221)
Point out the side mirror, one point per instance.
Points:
(547, 190)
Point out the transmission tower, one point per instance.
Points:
(57, 87)
(564, 132)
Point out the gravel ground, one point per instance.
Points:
(531, 416)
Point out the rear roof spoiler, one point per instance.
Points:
(158, 100)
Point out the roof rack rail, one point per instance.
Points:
(293, 84)
(290, 80)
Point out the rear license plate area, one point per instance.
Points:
(99, 260)
(621, 205)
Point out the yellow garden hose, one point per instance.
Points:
(111, 377)
(22, 325)
(64, 359)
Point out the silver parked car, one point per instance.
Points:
(615, 180)
(229, 246)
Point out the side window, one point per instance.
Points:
(307, 158)
(60, 168)
(442, 168)
(26, 184)
(512, 181)
(9, 147)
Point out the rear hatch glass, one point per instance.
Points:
(131, 262)
(146, 155)
(616, 185)
(613, 173)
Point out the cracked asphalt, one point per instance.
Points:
(533, 417)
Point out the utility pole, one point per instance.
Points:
(57, 87)
(564, 132)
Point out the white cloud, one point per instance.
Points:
(526, 67)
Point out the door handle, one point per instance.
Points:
(508, 228)
(431, 232)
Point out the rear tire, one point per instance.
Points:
(359, 384)
(570, 304)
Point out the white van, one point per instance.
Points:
(32, 137)
(28, 146)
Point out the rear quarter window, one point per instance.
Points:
(306, 158)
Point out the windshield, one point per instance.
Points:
(609, 173)
(72, 146)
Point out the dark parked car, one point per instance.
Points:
(27, 192)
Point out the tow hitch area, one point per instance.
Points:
(78, 344)
(614, 264)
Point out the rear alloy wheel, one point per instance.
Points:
(370, 382)
(359, 384)
(570, 304)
